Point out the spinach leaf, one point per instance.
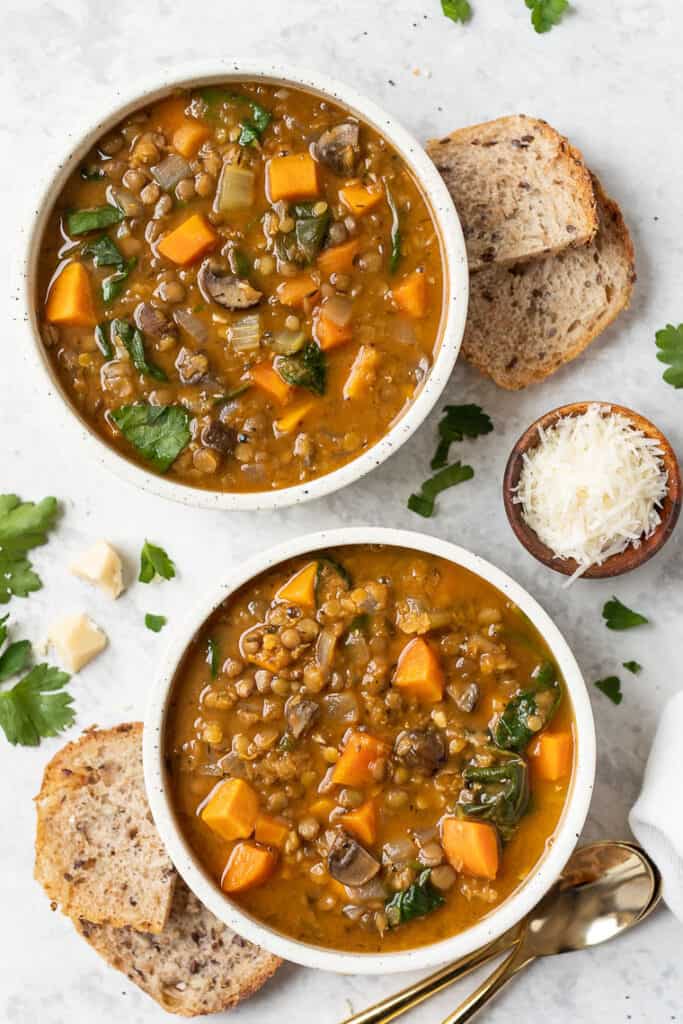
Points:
(112, 286)
(359, 624)
(424, 502)
(510, 731)
(103, 342)
(104, 252)
(501, 793)
(310, 229)
(240, 263)
(254, 127)
(213, 656)
(618, 616)
(155, 622)
(395, 255)
(158, 432)
(134, 342)
(417, 900)
(80, 222)
(306, 369)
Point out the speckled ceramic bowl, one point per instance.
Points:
(503, 917)
(455, 279)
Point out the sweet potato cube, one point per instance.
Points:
(359, 200)
(231, 809)
(271, 831)
(189, 241)
(70, 301)
(188, 137)
(411, 295)
(265, 377)
(354, 767)
(296, 290)
(292, 177)
(169, 115)
(362, 823)
(322, 809)
(328, 334)
(362, 373)
(419, 673)
(338, 259)
(249, 865)
(552, 755)
(291, 420)
(300, 589)
(471, 846)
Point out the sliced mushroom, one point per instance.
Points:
(349, 863)
(191, 366)
(152, 321)
(219, 437)
(468, 698)
(339, 148)
(420, 748)
(217, 285)
(300, 714)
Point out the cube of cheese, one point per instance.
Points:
(77, 640)
(101, 566)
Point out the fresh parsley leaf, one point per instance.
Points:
(395, 254)
(457, 10)
(103, 341)
(545, 14)
(14, 659)
(418, 899)
(458, 422)
(633, 667)
(611, 687)
(155, 562)
(213, 656)
(112, 287)
(618, 616)
(423, 503)
(159, 432)
(670, 344)
(33, 709)
(104, 252)
(155, 622)
(81, 222)
(306, 369)
(23, 525)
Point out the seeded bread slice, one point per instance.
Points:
(526, 320)
(197, 965)
(98, 854)
(521, 190)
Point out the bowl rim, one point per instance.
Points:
(519, 903)
(616, 565)
(454, 260)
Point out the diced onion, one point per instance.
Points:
(324, 651)
(338, 310)
(286, 343)
(126, 201)
(170, 171)
(342, 707)
(195, 327)
(235, 188)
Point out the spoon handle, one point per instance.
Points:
(407, 998)
(512, 964)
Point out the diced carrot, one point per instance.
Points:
(362, 373)
(296, 290)
(411, 294)
(471, 846)
(188, 137)
(271, 831)
(265, 377)
(300, 589)
(419, 673)
(552, 754)
(249, 865)
(169, 115)
(292, 177)
(70, 301)
(291, 420)
(328, 334)
(189, 240)
(339, 258)
(231, 809)
(359, 200)
(322, 808)
(362, 823)
(354, 767)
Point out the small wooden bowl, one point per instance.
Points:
(632, 557)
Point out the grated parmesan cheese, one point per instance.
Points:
(592, 486)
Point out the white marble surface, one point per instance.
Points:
(611, 77)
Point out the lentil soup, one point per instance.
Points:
(241, 287)
(368, 749)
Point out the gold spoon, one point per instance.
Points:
(605, 889)
(610, 862)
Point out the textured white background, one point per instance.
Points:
(611, 78)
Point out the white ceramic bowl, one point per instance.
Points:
(499, 919)
(456, 282)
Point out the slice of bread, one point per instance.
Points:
(521, 190)
(197, 965)
(526, 320)
(98, 854)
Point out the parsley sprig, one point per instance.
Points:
(458, 422)
(545, 14)
(611, 687)
(23, 526)
(155, 562)
(424, 502)
(33, 708)
(618, 616)
(670, 344)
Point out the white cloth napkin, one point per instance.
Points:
(657, 816)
